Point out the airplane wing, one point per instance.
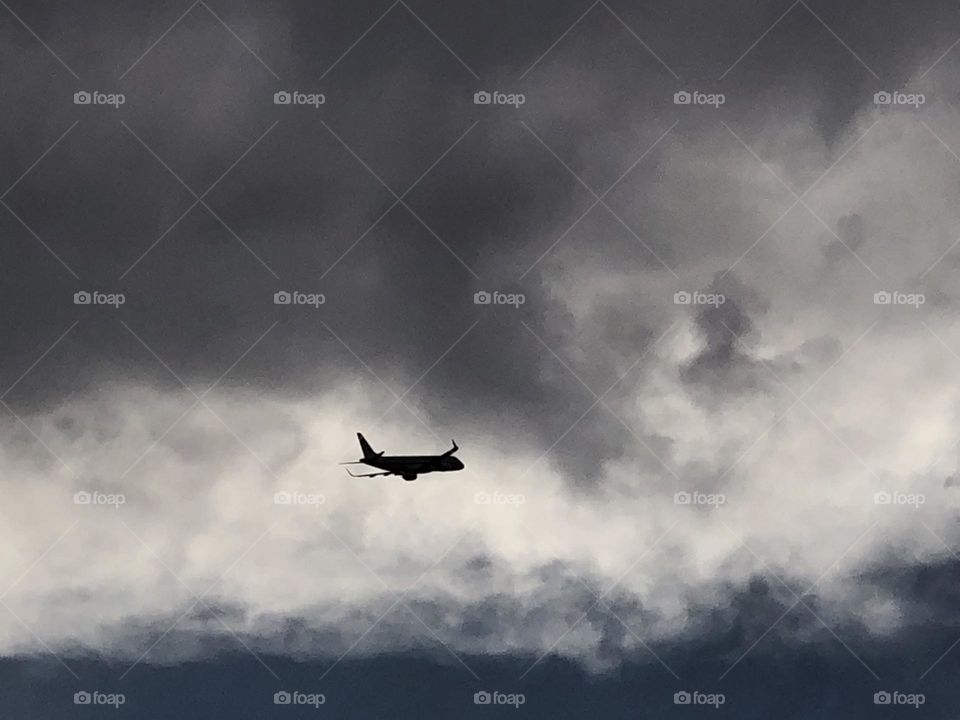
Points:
(368, 474)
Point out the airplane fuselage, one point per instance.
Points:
(414, 464)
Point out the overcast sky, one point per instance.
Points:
(679, 278)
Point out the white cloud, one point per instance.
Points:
(800, 494)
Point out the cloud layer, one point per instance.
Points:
(783, 387)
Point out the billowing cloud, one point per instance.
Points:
(729, 386)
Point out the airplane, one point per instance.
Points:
(406, 466)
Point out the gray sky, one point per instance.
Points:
(698, 320)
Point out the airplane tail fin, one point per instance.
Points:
(365, 446)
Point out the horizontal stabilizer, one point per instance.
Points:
(368, 474)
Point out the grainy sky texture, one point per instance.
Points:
(680, 278)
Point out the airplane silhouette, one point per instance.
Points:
(406, 466)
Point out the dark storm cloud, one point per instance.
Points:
(928, 589)
(756, 644)
(852, 234)
(725, 361)
(493, 198)
(300, 199)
